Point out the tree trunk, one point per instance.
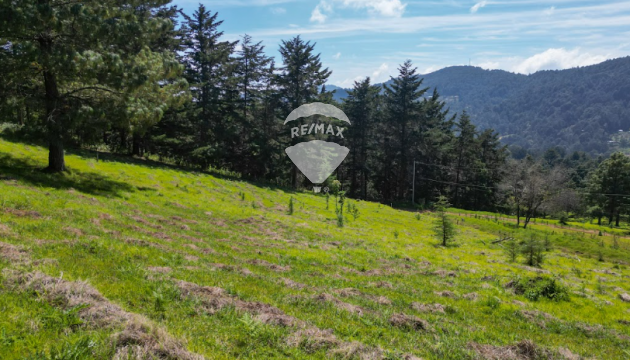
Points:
(617, 218)
(136, 145)
(56, 159)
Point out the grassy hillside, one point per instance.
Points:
(119, 259)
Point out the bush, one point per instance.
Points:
(533, 288)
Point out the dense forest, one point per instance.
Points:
(148, 80)
(578, 109)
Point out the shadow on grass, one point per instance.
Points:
(86, 182)
(94, 183)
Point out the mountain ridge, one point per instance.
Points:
(577, 109)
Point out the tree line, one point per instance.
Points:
(145, 79)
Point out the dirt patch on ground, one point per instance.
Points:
(524, 350)
(433, 308)
(73, 231)
(23, 213)
(444, 273)
(356, 350)
(446, 293)
(346, 292)
(214, 299)
(13, 254)
(313, 339)
(381, 284)
(160, 269)
(267, 264)
(537, 317)
(473, 296)
(142, 339)
(292, 284)
(408, 322)
(5, 229)
(324, 297)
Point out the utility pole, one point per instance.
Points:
(413, 184)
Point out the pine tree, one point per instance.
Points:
(444, 227)
(403, 114)
(466, 149)
(207, 63)
(610, 180)
(251, 72)
(361, 108)
(533, 251)
(91, 62)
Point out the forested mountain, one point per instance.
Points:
(577, 109)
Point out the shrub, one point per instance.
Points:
(533, 249)
(512, 249)
(564, 219)
(353, 210)
(533, 288)
(444, 228)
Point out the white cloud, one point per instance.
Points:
(388, 8)
(392, 8)
(381, 74)
(478, 6)
(431, 69)
(550, 11)
(558, 59)
(278, 11)
(317, 16)
(337, 56)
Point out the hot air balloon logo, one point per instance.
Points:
(317, 159)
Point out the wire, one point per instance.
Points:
(492, 188)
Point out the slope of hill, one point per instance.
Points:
(134, 259)
(578, 109)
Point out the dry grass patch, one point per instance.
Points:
(524, 350)
(409, 322)
(433, 308)
(141, 339)
(324, 297)
(271, 266)
(313, 339)
(12, 253)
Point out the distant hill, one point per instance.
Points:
(577, 109)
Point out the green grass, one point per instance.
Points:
(111, 222)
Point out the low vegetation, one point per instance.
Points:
(120, 258)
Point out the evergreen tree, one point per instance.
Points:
(252, 71)
(92, 61)
(361, 107)
(609, 186)
(208, 69)
(466, 149)
(444, 227)
(403, 114)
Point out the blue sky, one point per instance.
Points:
(358, 38)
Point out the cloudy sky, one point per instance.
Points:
(359, 38)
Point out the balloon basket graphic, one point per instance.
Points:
(317, 189)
